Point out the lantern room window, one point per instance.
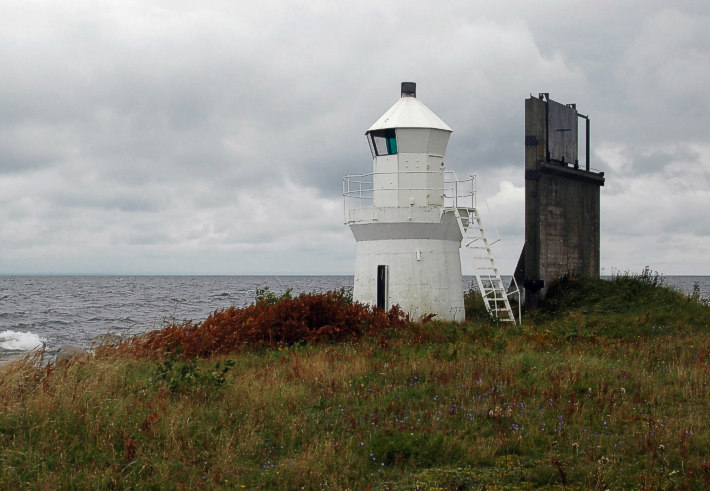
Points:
(382, 142)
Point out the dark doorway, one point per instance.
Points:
(382, 286)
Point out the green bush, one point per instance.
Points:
(182, 376)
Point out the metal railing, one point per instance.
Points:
(359, 189)
(459, 193)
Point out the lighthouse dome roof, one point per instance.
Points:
(409, 112)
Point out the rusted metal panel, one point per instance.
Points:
(561, 132)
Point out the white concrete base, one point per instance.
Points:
(424, 275)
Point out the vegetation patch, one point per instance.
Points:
(270, 322)
(624, 306)
(559, 403)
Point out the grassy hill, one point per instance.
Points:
(605, 386)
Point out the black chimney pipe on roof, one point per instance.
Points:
(409, 89)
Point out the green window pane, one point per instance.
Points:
(392, 145)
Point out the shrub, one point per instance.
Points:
(474, 306)
(180, 375)
(272, 321)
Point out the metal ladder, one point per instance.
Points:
(490, 284)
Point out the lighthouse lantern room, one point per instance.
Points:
(409, 217)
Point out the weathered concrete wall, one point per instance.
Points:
(562, 224)
(561, 211)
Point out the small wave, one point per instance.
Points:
(20, 341)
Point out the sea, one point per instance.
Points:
(51, 311)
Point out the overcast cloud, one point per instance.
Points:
(211, 137)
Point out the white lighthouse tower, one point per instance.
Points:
(409, 217)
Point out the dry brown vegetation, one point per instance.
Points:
(270, 322)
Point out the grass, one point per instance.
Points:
(605, 386)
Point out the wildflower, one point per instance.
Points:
(623, 391)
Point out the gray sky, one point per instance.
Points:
(211, 137)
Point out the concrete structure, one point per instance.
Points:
(408, 240)
(561, 199)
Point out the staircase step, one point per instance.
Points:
(495, 296)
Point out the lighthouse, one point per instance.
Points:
(410, 218)
(404, 215)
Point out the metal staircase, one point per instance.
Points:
(490, 284)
